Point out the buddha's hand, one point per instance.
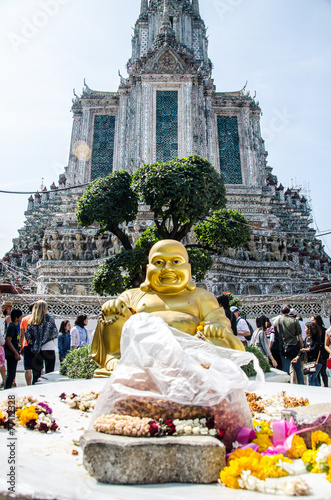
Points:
(214, 330)
(219, 335)
(113, 309)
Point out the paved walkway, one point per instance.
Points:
(20, 378)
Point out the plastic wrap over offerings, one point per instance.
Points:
(166, 374)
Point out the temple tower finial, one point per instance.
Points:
(166, 11)
(166, 19)
(195, 5)
(144, 6)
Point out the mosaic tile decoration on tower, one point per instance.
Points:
(103, 146)
(166, 125)
(228, 140)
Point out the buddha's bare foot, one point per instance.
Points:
(101, 373)
(106, 371)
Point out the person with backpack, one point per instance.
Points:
(243, 330)
(288, 334)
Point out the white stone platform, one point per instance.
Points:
(46, 468)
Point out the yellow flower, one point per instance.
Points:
(247, 452)
(1, 416)
(199, 328)
(318, 438)
(231, 473)
(309, 459)
(260, 467)
(262, 427)
(262, 441)
(26, 414)
(328, 477)
(270, 467)
(298, 447)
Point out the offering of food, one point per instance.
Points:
(273, 406)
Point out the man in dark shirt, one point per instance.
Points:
(12, 347)
(290, 334)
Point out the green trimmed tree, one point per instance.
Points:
(180, 193)
(223, 229)
(184, 195)
(109, 201)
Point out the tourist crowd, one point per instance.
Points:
(289, 344)
(33, 337)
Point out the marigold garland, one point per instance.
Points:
(298, 447)
(243, 452)
(263, 442)
(26, 414)
(318, 438)
(255, 471)
(261, 467)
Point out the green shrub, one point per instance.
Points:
(78, 363)
(263, 362)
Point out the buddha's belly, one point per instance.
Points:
(184, 322)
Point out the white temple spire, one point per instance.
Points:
(166, 11)
(144, 6)
(166, 19)
(195, 5)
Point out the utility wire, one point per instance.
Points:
(45, 191)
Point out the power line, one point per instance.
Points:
(45, 191)
(324, 233)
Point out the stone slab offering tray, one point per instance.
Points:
(129, 460)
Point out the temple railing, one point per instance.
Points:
(305, 305)
(70, 306)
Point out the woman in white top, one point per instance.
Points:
(79, 333)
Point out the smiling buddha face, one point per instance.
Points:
(168, 271)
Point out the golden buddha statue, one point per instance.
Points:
(168, 292)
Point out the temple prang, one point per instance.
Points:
(168, 107)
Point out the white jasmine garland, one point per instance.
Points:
(196, 427)
(324, 451)
(289, 468)
(295, 487)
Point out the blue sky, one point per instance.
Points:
(281, 47)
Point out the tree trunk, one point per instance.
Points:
(124, 239)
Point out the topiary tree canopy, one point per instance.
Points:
(224, 229)
(180, 193)
(109, 202)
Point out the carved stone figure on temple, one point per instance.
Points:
(55, 252)
(78, 245)
(100, 250)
